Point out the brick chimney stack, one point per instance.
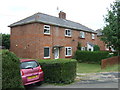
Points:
(62, 15)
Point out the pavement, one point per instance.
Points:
(98, 77)
(89, 80)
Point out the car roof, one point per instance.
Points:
(26, 60)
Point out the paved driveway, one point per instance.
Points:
(91, 80)
(78, 85)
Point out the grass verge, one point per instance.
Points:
(95, 68)
(114, 68)
(88, 68)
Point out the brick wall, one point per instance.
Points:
(28, 41)
(25, 40)
(100, 43)
(110, 61)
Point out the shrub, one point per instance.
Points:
(11, 77)
(96, 48)
(6, 40)
(90, 57)
(0, 69)
(59, 71)
(79, 46)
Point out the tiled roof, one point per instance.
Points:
(99, 32)
(52, 20)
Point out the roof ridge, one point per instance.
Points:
(21, 20)
(81, 24)
(50, 19)
(46, 14)
(65, 19)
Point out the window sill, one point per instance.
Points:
(68, 56)
(68, 36)
(46, 58)
(81, 38)
(45, 34)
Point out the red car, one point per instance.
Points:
(31, 72)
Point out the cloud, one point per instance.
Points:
(86, 12)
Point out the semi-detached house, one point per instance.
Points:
(48, 37)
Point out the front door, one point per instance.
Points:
(56, 53)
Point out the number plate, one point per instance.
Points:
(31, 77)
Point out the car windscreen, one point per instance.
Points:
(29, 64)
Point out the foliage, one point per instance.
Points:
(0, 39)
(0, 69)
(111, 31)
(91, 57)
(79, 46)
(11, 77)
(96, 48)
(59, 71)
(6, 40)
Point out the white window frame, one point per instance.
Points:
(82, 48)
(93, 36)
(47, 29)
(67, 50)
(82, 34)
(67, 32)
(49, 52)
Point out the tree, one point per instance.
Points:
(111, 31)
(6, 40)
(0, 39)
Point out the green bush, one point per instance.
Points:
(96, 48)
(11, 77)
(90, 57)
(0, 69)
(79, 46)
(59, 71)
(6, 40)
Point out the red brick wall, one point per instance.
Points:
(110, 61)
(100, 43)
(25, 40)
(28, 41)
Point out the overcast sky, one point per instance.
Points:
(87, 12)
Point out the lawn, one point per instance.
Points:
(87, 68)
(115, 68)
(94, 68)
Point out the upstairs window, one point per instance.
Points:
(68, 32)
(68, 51)
(82, 34)
(46, 29)
(93, 36)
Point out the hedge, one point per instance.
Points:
(11, 77)
(0, 69)
(91, 57)
(59, 71)
(96, 48)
